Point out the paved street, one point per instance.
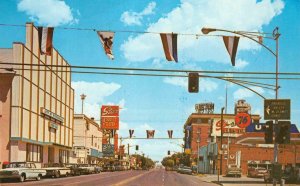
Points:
(154, 177)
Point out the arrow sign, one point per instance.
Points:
(277, 109)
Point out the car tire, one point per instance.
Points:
(22, 178)
(57, 174)
(39, 177)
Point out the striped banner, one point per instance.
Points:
(45, 40)
(231, 44)
(169, 42)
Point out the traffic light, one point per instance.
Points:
(136, 147)
(283, 132)
(169, 152)
(193, 85)
(269, 132)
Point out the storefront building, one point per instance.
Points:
(36, 104)
(87, 146)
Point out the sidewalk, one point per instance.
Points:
(231, 181)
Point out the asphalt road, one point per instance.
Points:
(154, 177)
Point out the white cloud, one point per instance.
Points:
(135, 18)
(240, 64)
(95, 94)
(190, 17)
(48, 12)
(242, 93)
(204, 84)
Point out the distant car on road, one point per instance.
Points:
(56, 170)
(75, 169)
(22, 171)
(185, 170)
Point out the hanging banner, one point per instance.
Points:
(131, 133)
(188, 137)
(106, 39)
(231, 44)
(170, 133)
(45, 35)
(150, 133)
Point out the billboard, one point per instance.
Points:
(108, 110)
(229, 128)
(108, 150)
(110, 117)
(110, 123)
(259, 127)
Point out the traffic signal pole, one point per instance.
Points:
(276, 36)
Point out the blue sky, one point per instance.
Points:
(162, 103)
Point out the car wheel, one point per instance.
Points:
(22, 178)
(38, 178)
(57, 174)
(67, 174)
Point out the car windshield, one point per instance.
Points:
(16, 165)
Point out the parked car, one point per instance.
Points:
(257, 172)
(75, 169)
(87, 169)
(22, 171)
(109, 168)
(56, 170)
(233, 170)
(185, 170)
(97, 168)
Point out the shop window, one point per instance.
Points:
(34, 153)
(64, 156)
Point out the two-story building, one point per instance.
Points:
(87, 147)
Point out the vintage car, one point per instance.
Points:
(75, 169)
(86, 168)
(97, 168)
(184, 170)
(257, 172)
(22, 171)
(56, 170)
(233, 171)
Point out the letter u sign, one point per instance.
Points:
(258, 127)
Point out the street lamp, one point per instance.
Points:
(198, 142)
(82, 96)
(275, 36)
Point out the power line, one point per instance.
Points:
(252, 34)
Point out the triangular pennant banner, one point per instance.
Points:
(169, 42)
(231, 44)
(106, 39)
(45, 35)
(170, 133)
(150, 133)
(131, 132)
(260, 39)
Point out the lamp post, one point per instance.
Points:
(221, 159)
(249, 35)
(82, 96)
(198, 142)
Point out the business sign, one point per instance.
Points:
(259, 127)
(277, 109)
(53, 125)
(52, 115)
(108, 150)
(229, 128)
(110, 123)
(242, 119)
(107, 110)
